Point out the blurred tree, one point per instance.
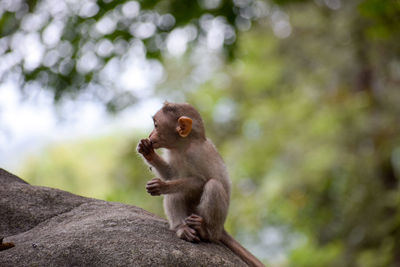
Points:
(310, 124)
(70, 46)
(306, 113)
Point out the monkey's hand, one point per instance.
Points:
(156, 187)
(146, 149)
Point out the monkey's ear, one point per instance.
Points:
(185, 126)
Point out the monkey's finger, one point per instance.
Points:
(194, 219)
(192, 237)
(154, 180)
(142, 150)
(189, 236)
(154, 191)
(147, 144)
(142, 143)
(139, 148)
(152, 188)
(145, 149)
(192, 231)
(193, 223)
(153, 184)
(196, 216)
(186, 236)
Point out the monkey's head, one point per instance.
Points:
(176, 124)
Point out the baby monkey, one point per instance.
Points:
(192, 177)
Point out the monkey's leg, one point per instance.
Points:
(211, 211)
(176, 210)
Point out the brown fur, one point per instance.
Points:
(193, 177)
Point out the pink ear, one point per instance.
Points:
(185, 126)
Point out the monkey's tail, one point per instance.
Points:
(243, 253)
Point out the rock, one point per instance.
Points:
(51, 227)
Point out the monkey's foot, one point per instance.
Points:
(186, 233)
(197, 222)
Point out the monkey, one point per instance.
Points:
(192, 176)
(4, 246)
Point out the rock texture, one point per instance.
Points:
(50, 227)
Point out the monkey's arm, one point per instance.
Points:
(156, 186)
(162, 167)
(145, 148)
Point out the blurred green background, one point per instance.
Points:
(301, 97)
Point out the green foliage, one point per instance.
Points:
(308, 124)
(315, 256)
(86, 26)
(315, 156)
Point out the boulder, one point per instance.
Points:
(51, 227)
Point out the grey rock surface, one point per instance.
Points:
(51, 227)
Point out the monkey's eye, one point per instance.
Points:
(155, 125)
